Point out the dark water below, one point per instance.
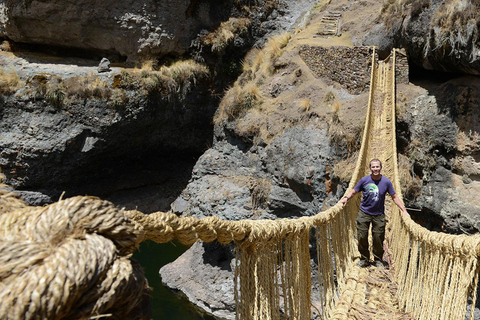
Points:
(164, 303)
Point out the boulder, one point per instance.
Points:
(127, 28)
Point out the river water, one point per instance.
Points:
(165, 304)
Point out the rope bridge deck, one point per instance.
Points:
(71, 259)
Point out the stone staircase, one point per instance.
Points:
(330, 24)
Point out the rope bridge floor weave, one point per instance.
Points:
(71, 259)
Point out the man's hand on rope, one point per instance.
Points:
(347, 197)
(343, 201)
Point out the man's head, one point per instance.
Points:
(375, 167)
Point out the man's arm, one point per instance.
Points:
(347, 197)
(399, 203)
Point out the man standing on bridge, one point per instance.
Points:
(372, 211)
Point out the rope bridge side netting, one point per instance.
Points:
(437, 273)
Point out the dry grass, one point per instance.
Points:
(453, 25)
(335, 109)
(305, 105)
(252, 62)
(329, 97)
(468, 142)
(6, 46)
(260, 190)
(90, 87)
(264, 60)
(56, 92)
(457, 14)
(319, 6)
(225, 33)
(173, 81)
(238, 100)
(9, 82)
(274, 50)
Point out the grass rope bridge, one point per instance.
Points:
(71, 259)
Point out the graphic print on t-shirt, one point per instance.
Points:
(372, 188)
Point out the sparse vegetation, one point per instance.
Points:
(172, 81)
(335, 109)
(273, 50)
(260, 190)
(225, 33)
(263, 61)
(305, 105)
(321, 4)
(245, 93)
(454, 24)
(90, 87)
(56, 92)
(9, 82)
(329, 97)
(238, 100)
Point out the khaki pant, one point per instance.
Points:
(378, 233)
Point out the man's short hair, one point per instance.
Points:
(375, 160)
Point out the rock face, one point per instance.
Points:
(437, 35)
(444, 151)
(206, 278)
(274, 160)
(126, 28)
(284, 179)
(135, 31)
(79, 148)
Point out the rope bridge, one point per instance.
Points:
(71, 259)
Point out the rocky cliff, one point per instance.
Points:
(126, 29)
(437, 35)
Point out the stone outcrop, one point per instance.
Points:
(126, 28)
(284, 179)
(437, 35)
(81, 146)
(206, 278)
(444, 151)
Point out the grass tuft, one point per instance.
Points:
(9, 82)
(238, 100)
(225, 33)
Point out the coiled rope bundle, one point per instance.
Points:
(68, 260)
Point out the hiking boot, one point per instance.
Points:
(362, 263)
(380, 264)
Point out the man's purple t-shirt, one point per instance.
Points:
(374, 191)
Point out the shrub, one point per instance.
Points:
(55, 92)
(238, 100)
(9, 82)
(90, 87)
(225, 33)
